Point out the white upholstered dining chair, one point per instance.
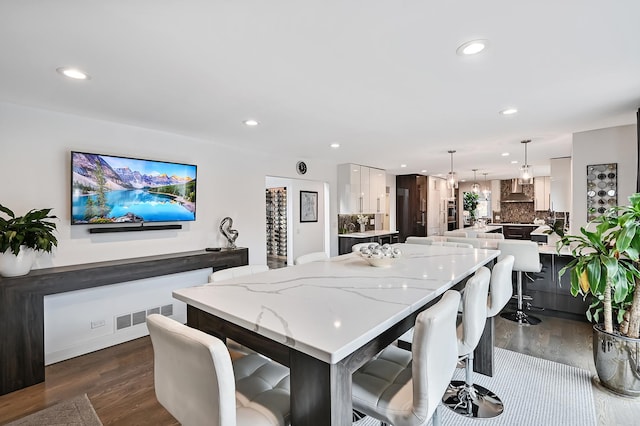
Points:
(404, 388)
(196, 381)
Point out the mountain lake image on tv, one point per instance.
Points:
(108, 189)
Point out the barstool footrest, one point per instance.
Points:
(472, 401)
(521, 318)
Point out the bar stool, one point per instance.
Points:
(467, 398)
(527, 259)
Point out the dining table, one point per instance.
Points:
(326, 319)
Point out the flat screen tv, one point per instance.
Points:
(107, 189)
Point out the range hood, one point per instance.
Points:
(516, 195)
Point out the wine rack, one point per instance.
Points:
(276, 222)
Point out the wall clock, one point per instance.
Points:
(301, 167)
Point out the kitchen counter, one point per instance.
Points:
(346, 241)
(367, 234)
(472, 231)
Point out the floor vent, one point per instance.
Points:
(123, 321)
(166, 310)
(139, 317)
(153, 311)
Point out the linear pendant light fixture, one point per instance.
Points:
(526, 171)
(475, 188)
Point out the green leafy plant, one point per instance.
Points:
(605, 265)
(33, 230)
(470, 203)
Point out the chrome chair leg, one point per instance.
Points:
(472, 400)
(519, 315)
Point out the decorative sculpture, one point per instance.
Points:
(230, 234)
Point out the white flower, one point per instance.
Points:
(363, 219)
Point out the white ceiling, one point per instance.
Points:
(381, 78)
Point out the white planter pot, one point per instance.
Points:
(12, 265)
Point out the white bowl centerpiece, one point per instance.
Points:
(381, 256)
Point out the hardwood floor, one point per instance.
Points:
(119, 380)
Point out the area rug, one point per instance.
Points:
(73, 412)
(534, 392)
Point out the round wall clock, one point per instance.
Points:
(301, 167)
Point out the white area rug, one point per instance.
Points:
(534, 391)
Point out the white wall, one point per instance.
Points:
(611, 145)
(35, 171)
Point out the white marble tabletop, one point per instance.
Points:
(329, 309)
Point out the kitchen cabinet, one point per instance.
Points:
(541, 193)
(518, 231)
(560, 184)
(377, 190)
(553, 293)
(421, 206)
(347, 241)
(361, 189)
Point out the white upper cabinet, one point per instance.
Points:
(377, 190)
(361, 189)
(561, 184)
(541, 192)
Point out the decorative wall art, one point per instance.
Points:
(308, 206)
(602, 189)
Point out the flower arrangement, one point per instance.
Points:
(363, 219)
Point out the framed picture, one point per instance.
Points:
(308, 206)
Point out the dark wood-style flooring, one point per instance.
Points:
(119, 380)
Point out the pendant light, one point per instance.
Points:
(486, 191)
(475, 188)
(452, 181)
(526, 171)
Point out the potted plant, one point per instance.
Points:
(21, 237)
(605, 265)
(470, 204)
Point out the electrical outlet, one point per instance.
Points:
(97, 323)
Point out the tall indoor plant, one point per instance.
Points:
(605, 265)
(22, 236)
(470, 204)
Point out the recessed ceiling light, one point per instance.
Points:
(335, 145)
(505, 154)
(74, 73)
(514, 162)
(403, 165)
(423, 171)
(472, 47)
(250, 122)
(509, 111)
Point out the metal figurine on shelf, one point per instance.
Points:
(230, 234)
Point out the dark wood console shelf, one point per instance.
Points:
(22, 302)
